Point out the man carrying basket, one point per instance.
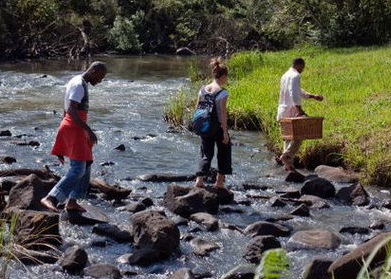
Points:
(290, 106)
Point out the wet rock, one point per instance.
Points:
(203, 247)
(224, 195)
(32, 257)
(180, 221)
(232, 227)
(183, 273)
(276, 202)
(5, 133)
(244, 202)
(36, 230)
(309, 200)
(133, 207)
(210, 222)
(317, 269)
(244, 271)
(290, 194)
(258, 245)
(147, 202)
(349, 265)
(106, 164)
(25, 143)
(6, 185)
(74, 259)
(91, 217)
(187, 237)
(354, 230)
(301, 210)
(387, 204)
(284, 217)
(295, 176)
(318, 187)
(266, 228)
(231, 209)
(153, 230)
(142, 257)
(336, 174)
(44, 174)
(7, 160)
(354, 195)
(377, 225)
(320, 205)
(120, 147)
(185, 201)
(249, 186)
(28, 193)
(113, 232)
(102, 271)
(184, 51)
(110, 192)
(200, 273)
(139, 138)
(158, 178)
(314, 239)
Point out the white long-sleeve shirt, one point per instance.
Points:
(290, 94)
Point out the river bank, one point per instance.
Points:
(355, 84)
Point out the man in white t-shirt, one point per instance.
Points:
(290, 106)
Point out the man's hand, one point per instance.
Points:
(61, 159)
(92, 138)
(318, 97)
(225, 137)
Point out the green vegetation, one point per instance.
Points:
(356, 85)
(274, 265)
(36, 28)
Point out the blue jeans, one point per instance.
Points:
(74, 184)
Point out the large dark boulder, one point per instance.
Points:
(353, 195)
(336, 174)
(267, 228)
(153, 230)
(349, 265)
(27, 194)
(185, 200)
(318, 187)
(258, 245)
(74, 259)
(317, 269)
(103, 271)
(314, 239)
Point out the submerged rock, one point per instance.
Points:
(5, 133)
(276, 202)
(258, 245)
(120, 147)
(353, 195)
(7, 160)
(266, 228)
(103, 271)
(348, 266)
(318, 187)
(314, 239)
(336, 174)
(301, 210)
(354, 230)
(203, 247)
(74, 259)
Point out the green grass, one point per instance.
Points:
(356, 84)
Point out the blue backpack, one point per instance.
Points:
(205, 120)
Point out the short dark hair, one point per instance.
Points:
(298, 61)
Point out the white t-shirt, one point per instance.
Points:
(76, 90)
(290, 94)
(223, 94)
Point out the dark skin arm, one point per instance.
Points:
(75, 116)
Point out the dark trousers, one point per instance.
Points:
(224, 161)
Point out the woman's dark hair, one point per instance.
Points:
(218, 67)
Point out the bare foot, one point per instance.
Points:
(199, 185)
(49, 203)
(72, 205)
(220, 180)
(199, 182)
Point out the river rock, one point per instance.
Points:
(295, 176)
(28, 193)
(184, 200)
(110, 192)
(91, 217)
(74, 259)
(5, 133)
(317, 269)
(231, 209)
(142, 257)
(252, 186)
(153, 230)
(313, 201)
(377, 225)
(277, 218)
(165, 177)
(266, 228)
(355, 230)
(244, 271)
(24, 143)
(314, 239)
(203, 247)
(290, 194)
(32, 257)
(258, 245)
(318, 187)
(353, 195)
(120, 147)
(6, 185)
(336, 174)
(44, 174)
(224, 195)
(147, 202)
(183, 273)
(210, 222)
(184, 51)
(301, 210)
(348, 266)
(133, 207)
(36, 229)
(102, 271)
(276, 202)
(113, 232)
(7, 160)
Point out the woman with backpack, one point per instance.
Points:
(213, 98)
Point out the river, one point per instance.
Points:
(127, 108)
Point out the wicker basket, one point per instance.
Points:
(300, 128)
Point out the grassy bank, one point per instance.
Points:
(356, 83)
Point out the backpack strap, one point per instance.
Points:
(216, 94)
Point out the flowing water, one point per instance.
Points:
(127, 108)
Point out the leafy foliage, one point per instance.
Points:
(274, 264)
